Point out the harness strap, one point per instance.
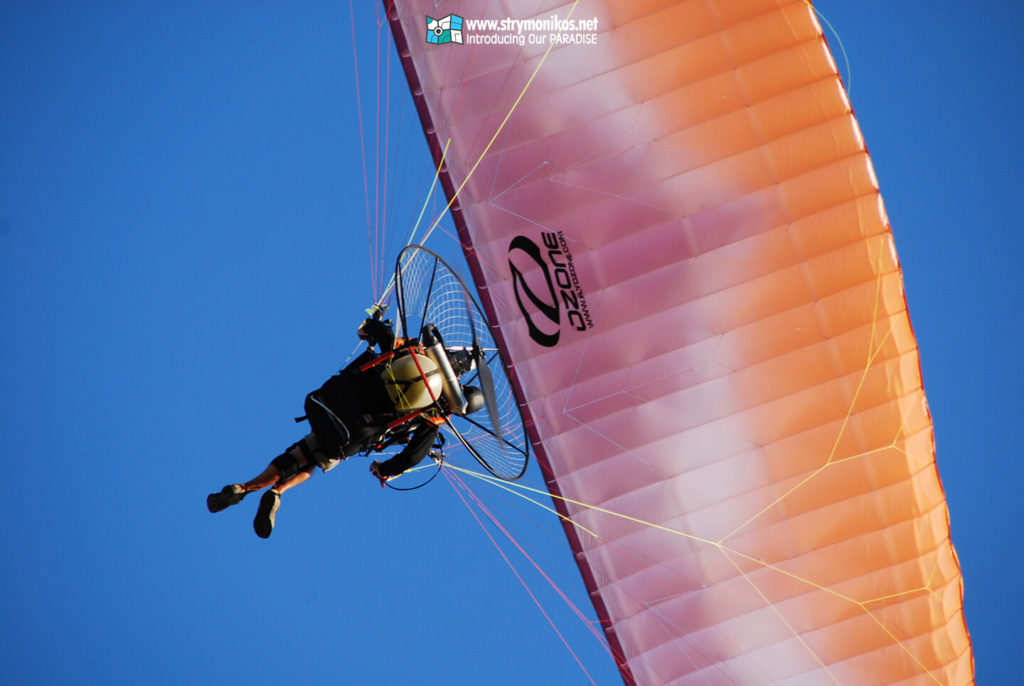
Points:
(338, 424)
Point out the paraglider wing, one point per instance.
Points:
(678, 238)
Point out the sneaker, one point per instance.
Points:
(264, 522)
(231, 494)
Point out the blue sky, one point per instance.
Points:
(184, 253)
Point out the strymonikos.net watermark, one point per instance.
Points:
(509, 31)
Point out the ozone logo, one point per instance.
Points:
(545, 285)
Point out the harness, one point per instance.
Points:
(389, 427)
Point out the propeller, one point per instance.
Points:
(487, 387)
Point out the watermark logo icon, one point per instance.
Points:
(444, 30)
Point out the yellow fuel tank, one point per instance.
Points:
(407, 386)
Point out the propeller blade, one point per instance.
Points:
(487, 386)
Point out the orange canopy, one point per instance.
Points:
(675, 228)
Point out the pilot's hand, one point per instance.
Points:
(375, 331)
